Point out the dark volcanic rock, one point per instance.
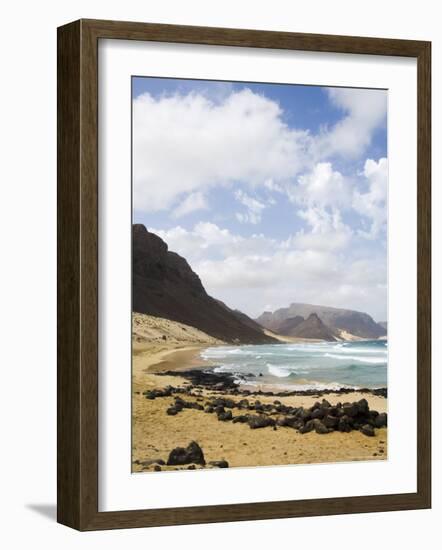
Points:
(206, 378)
(255, 421)
(225, 416)
(192, 454)
(164, 285)
(330, 421)
(308, 427)
(350, 409)
(381, 420)
(344, 424)
(219, 463)
(363, 406)
(367, 430)
(242, 419)
(320, 428)
(318, 413)
(290, 421)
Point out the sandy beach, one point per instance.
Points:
(155, 433)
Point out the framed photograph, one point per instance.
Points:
(243, 275)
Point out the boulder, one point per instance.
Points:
(307, 427)
(381, 420)
(290, 421)
(362, 406)
(330, 421)
(224, 416)
(172, 411)
(368, 430)
(350, 409)
(320, 428)
(344, 424)
(260, 421)
(318, 413)
(192, 454)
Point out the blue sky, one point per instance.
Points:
(274, 193)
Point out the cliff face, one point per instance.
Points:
(355, 322)
(164, 285)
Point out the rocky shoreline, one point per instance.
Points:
(222, 381)
(237, 425)
(217, 395)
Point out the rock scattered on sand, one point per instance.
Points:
(192, 454)
(260, 421)
(366, 429)
(322, 417)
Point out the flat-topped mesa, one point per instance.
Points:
(164, 285)
(355, 323)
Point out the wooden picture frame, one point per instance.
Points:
(78, 274)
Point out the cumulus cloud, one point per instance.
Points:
(327, 231)
(250, 273)
(373, 203)
(365, 110)
(322, 186)
(193, 202)
(189, 143)
(185, 145)
(208, 240)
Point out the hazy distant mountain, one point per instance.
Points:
(164, 285)
(288, 326)
(384, 325)
(314, 328)
(355, 322)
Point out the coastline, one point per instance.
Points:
(155, 433)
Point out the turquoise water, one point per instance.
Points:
(328, 365)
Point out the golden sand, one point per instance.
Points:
(155, 433)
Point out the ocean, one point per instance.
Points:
(322, 366)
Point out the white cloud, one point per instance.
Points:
(322, 186)
(327, 230)
(365, 111)
(373, 203)
(208, 240)
(270, 185)
(251, 272)
(253, 206)
(193, 202)
(185, 145)
(189, 143)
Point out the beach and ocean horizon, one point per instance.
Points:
(259, 274)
